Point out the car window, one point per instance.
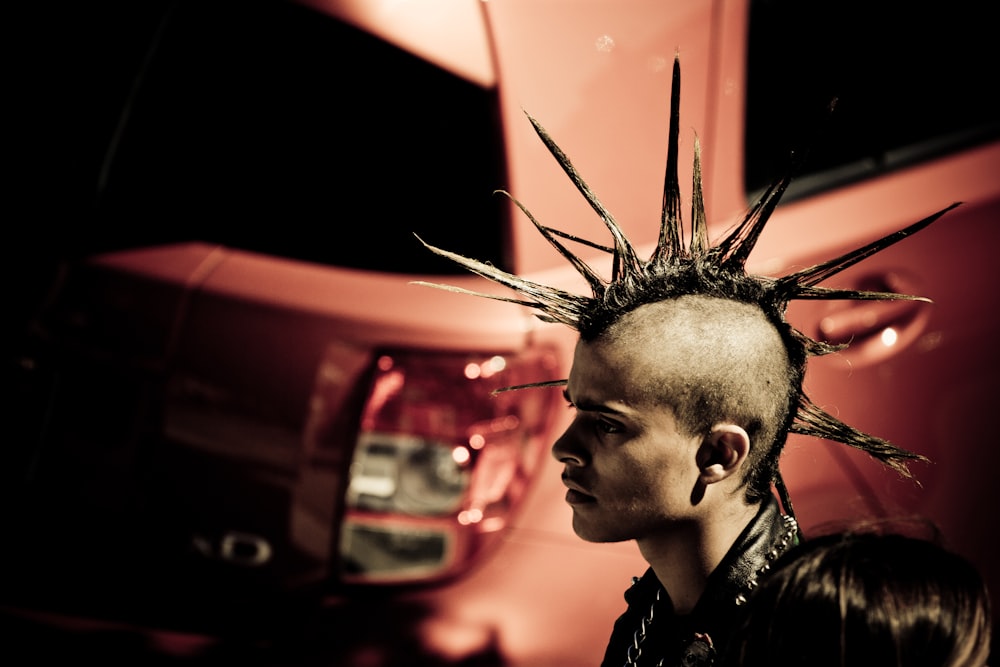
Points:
(270, 127)
(912, 82)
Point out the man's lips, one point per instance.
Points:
(574, 497)
(576, 494)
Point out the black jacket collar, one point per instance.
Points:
(718, 611)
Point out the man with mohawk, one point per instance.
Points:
(686, 382)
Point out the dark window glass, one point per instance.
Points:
(270, 127)
(912, 82)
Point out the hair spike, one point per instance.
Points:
(811, 420)
(625, 259)
(820, 272)
(593, 279)
(671, 242)
(699, 224)
(719, 271)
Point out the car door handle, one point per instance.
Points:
(857, 322)
(875, 330)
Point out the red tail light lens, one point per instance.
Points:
(440, 462)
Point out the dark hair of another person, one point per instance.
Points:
(866, 598)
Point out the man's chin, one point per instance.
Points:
(598, 535)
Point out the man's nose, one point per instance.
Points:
(567, 449)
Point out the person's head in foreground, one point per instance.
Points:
(866, 598)
(671, 400)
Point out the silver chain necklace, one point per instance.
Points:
(634, 651)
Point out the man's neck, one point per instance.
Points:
(683, 559)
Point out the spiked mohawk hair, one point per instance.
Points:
(677, 268)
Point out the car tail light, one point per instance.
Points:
(441, 462)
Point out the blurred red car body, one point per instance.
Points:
(210, 431)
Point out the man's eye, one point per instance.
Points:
(606, 426)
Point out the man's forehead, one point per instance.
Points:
(603, 381)
(592, 370)
(610, 370)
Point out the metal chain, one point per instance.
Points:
(639, 636)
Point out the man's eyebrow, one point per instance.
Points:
(589, 406)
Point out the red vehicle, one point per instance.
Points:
(239, 426)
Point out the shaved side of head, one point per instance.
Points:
(714, 360)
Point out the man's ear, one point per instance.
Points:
(723, 452)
